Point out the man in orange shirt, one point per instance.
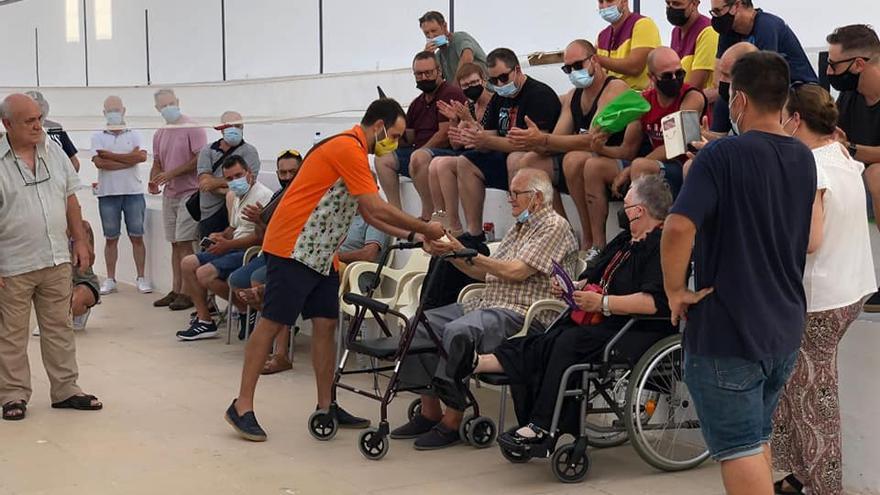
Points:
(305, 231)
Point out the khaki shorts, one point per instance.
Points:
(179, 225)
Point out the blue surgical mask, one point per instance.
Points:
(113, 118)
(610, 14)
(171, 113)
(239, 186)
(506, 91)
(581, 78)
(232, 136)
(734, 123)
(524, 215)
(441, 40)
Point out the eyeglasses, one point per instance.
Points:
(513, 195)
(851, 60)
(424, 73)
(579, 65)
(36, 171)
(501, 78)
(723, 10)
(668, 76)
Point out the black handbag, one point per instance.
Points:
(193, 203)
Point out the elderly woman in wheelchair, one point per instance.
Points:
(626, 280)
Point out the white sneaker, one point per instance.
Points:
(143, 286)
(79, 322)
(108, 286)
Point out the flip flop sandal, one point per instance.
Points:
(792, 481)
(19, 406)
(79, 402)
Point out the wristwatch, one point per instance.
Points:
(852, 149)
(606, 310)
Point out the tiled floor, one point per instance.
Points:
(162, 431)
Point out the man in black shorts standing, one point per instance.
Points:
(300, 243)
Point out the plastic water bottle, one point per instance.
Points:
(316, 139)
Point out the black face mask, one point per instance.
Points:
(284, 183)
(724, 91)
(622, 220)
(427, 85)
(844, 82)
(723, 24)
(670, 88)
(676, 17)
(474, 93)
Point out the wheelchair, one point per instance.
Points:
(374, 443)
(647, 404)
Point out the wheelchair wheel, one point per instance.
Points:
(606, 430)
(566, 468)
(514, 456)
(660, 416)
(414, 409)
(372, 445)
(323, 426)
(481, 432)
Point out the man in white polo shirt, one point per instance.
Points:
(120, 191)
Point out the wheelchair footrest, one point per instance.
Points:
(496, 379)
(386, 347)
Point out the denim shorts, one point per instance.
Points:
(112, 208)
(243, 278)
(225, 263)
(735, 400)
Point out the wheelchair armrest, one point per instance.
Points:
(606, 355)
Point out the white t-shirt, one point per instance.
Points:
(841, 271)
(257, 194)
(118, 182)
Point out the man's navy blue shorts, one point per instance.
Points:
(293, 289)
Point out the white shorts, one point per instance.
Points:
(179, 225)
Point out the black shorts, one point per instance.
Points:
(493, 165)
(293, 289)
(559, 174)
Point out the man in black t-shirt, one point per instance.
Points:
(517, 96)
(55, 131)
(854, 70)
(748, 203)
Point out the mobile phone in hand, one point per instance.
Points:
(206, 243)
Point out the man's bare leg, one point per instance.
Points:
(573, 168)
(139, 251)
(387, 170)
(191, 272)
(598, 174)
(255, 353)
(418, 167)
(748, 475)
(324, 357)
(472, 188)
(446, 168)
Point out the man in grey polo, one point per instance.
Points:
(38, 209)
(211, 182)
(453, 49)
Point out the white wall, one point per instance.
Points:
(267, 38)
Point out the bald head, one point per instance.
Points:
(730, 56)
(663, 59)
(113, 104)
(21, 117)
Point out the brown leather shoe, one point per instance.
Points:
(165, 301)
(181, 302)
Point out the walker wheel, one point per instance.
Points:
(372, 445)
(323, 426)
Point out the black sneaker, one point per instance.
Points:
(198, 331)
(416, 427)
(246, 322)
(439, 437)
(462, 358)
(872, 305)
(246, 425)
(348, 421)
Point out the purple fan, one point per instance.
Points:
(565, 282)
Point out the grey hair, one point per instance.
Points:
(5, 113)
(41, 100)
(539, 181)
(164, 91)
(654, 194)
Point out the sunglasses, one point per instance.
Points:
(579, 65)
(289, 154)
(667, 76)
(501, 78)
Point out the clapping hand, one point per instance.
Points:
(252, 213)
(527, 139)
(447, 110)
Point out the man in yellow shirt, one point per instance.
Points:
(695, 42)
(623, 47)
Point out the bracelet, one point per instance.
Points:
(606, 308)
(411, 237)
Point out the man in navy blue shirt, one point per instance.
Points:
(747, 202)
(739, 20)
